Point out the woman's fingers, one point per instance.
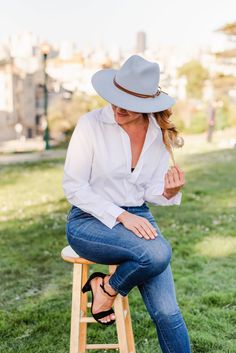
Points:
(180, 174)
(146, 231)
(143, 231)
(149, 227)
(174, 178)
(171, 179)
(167, 181)
(140, 226)
(136, 231)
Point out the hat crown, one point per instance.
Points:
(139, 75)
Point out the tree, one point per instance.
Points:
(196, 75)
(63, 115)
(228, 29)
(222, 82)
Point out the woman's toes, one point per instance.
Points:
(108, 318)
(105, 319)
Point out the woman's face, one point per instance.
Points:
(124, 116)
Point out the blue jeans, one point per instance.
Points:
(142, 263)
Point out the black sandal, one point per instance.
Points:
(87, 287)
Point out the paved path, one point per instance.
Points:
(31, 157)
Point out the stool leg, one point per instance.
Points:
(84, 302)
(128, 325)
(123, 321)
(75, 308)
(120, 325)
(120, 319)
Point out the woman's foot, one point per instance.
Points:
(102, 301)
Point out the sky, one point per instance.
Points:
(183, 23)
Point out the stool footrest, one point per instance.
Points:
(102, 346)
(88, 319)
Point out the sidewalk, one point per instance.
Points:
(22, 145)
(31, 157)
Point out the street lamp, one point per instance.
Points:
(45, 48)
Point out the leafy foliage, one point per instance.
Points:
(196, 74)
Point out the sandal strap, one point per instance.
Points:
(102, 314)
(111, 295)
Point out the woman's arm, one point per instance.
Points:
(76, 177)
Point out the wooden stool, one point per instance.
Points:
(79, 318)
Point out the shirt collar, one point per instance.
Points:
(107, 116)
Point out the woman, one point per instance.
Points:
(117, 160)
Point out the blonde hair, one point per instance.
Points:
(170, 133)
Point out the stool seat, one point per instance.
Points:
(69, 255)
(80, 304)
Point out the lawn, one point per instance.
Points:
(36, 283)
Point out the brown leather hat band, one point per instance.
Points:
(140, 95)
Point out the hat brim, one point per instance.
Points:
(102, 82)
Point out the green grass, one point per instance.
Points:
(36, 283)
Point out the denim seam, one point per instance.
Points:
(157, 323)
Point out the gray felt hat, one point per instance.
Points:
(135, 86)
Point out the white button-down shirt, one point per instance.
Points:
(97, 173)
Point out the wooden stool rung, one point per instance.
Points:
(102, 346)
(88, 319)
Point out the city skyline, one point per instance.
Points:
(92, 24)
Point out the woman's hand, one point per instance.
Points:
(174, 181)
(140, 226)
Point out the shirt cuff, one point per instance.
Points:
(109, 217)
(175, 200)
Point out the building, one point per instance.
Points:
(21, 99)
(141, 42)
